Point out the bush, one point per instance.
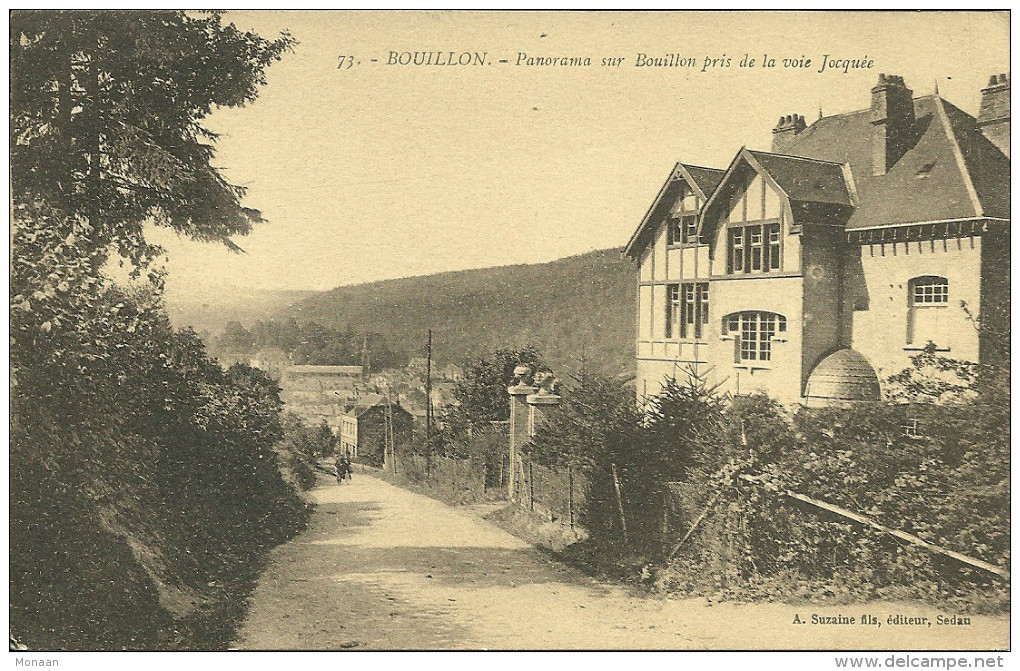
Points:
(598, 426)
(715, 470)
(141, 472)
(919, 468)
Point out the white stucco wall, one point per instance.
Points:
(881, 306)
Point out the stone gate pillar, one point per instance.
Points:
(539, 406)
(519, 424)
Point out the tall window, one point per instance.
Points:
(775, 243)
(755, 248)
(687, 310)
(673, 232)
(672, 310)
(753, 332)
(736, 264)
(928, 294)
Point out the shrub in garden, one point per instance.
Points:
(597, 426)
(938, 472)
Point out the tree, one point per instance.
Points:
(482, 394)
(106, 121)
(114, 414)
(598, 426)
(236, 338)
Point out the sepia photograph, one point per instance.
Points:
(352, 331)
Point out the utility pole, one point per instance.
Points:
(365, 361)
(389, 446)
(428, 406)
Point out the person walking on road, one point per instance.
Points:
(341, 469)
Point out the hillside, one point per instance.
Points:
(582, 303)
(211, 310)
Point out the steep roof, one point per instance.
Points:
(703, 180)
(950, 172)
(806, 180)
(987, 165)
(366, 402)
(818, 190)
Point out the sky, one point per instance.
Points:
(380, 171)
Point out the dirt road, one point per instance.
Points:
(383, 568)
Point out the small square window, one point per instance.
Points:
(673, 232)
(689, 229)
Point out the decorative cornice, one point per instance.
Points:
(938, 230)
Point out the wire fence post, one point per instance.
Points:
(665, 513)
(619, 504)
(570, 496)
(531, 486)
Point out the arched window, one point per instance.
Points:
(753, 332)
(926, 294)
(929, 290)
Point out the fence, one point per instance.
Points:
(557, 493)
(454, 480)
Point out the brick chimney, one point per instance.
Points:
(786, 130)
(892, 122)
(993, 119)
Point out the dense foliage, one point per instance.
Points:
(301, 447)
(145, 485)
(598, 425)
(481, 396)
(939, 472)
(106, 120)
(309, 343)
(139, 468)
(701, 481)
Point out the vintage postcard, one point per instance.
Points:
(447, 330)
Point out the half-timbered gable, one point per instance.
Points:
(674, 268)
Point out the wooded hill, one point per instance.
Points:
(580, 305)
